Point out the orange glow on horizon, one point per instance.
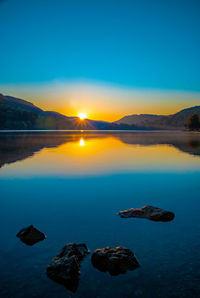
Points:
(102, 101)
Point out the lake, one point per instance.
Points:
(71, 184)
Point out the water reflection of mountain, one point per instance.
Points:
(187, 142)
(15, 147)
(18, 146)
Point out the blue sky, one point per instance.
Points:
(139, 44)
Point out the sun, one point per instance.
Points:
(82, 116)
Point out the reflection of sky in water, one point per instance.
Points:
(77, 155)
(72, 186)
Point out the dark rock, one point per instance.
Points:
(65, 267)
(30, 235)
(114, 260)
(149, 212)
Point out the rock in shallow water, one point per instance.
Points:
(114, 260)
(149, 212)
(65, 267)
(30, 235)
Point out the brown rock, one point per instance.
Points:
(30, 235)
(65, 267)
(149, 212)
(114, 260)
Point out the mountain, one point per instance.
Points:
(174, 121)
(19, 114)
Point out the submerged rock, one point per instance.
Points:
(114, 260)
(65, 267)
(149, 212)
(30, 235)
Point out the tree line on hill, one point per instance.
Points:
(193, 122)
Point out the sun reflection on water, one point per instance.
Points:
(80, 154)
(82, 142)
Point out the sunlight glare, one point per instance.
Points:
(82, 116)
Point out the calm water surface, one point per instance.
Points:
(71, 185)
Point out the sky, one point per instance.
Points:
(104, 58)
